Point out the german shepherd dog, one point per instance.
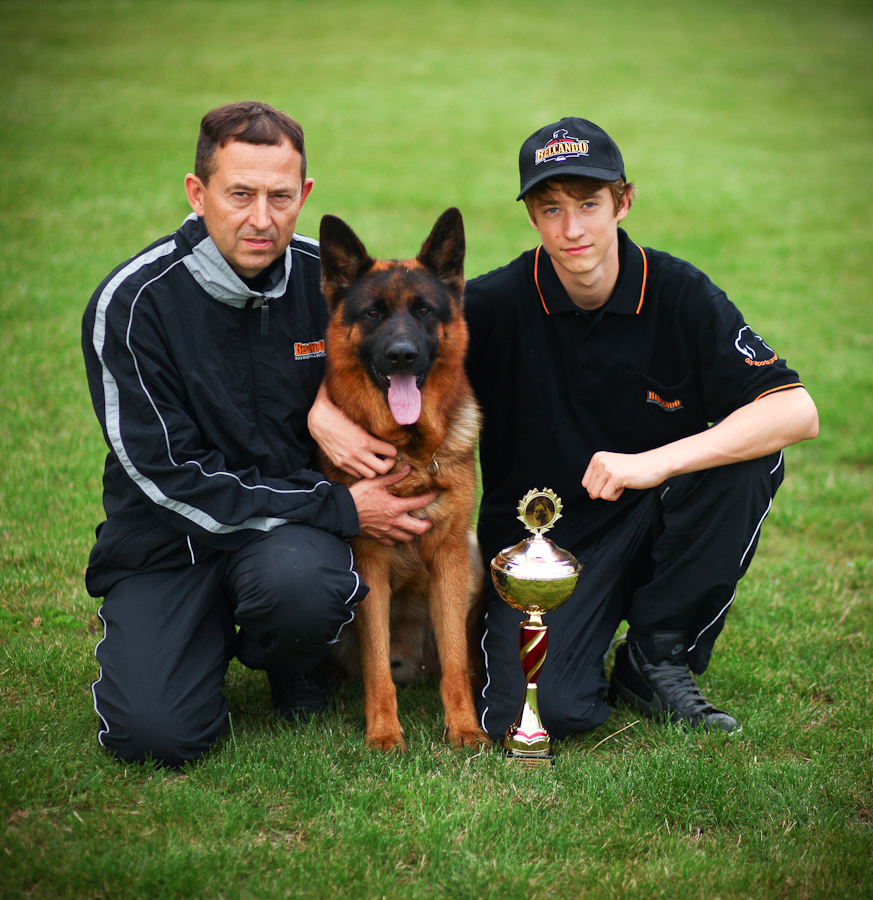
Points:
(396, 343)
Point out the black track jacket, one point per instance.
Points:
(202, 388)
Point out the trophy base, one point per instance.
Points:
(526, 742)
(518, 758)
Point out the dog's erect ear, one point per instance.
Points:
(343, 256)
(443, 251)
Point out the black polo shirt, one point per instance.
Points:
(666, 356)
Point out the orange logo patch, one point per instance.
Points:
(658, 400)
(307, 351)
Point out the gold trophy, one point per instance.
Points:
(535, 577)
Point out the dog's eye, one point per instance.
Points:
(372, 313)
(423, 310)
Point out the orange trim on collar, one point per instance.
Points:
(543, 299)
(537, 279)
(645, 273)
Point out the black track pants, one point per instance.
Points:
(670, 566)
(277, 603)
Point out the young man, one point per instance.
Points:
(599, 366)
(203, 355)
(623, 379)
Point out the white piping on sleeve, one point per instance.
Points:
(113, 415)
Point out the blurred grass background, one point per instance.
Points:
(748, 127)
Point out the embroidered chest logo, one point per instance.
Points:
(308, 351)
(658, 400)
(752, 346)
(560, 147)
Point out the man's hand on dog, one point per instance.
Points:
(348, 446)
(381, 515)
(384, 517)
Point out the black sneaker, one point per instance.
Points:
(663, 691)
(300, 697)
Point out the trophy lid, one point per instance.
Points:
(536, 575)
(536, 559)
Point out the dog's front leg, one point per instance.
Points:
(372, 621)
(449, 598)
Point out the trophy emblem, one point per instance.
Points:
(535, 577)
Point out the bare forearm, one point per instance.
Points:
(757, 429)
(750, 432)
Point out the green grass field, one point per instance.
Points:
(748, 127)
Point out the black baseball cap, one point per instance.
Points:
(569, 147)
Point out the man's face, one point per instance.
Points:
(251, 202)
(581, 236)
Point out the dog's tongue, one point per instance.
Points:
(404, 399)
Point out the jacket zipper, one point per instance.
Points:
(253, 394)
(265, 317)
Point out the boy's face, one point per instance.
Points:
(581, 236)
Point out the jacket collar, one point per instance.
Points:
(214, 274)
(627, 296)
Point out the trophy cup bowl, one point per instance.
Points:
(534, 577)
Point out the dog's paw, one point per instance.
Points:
(389, 741)
(473, 738)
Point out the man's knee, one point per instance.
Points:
(310, 597)
(565, 713)
(153, 734)
(752, 482)
(297, 584)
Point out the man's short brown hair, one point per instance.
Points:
(249, 122)
(580, 187)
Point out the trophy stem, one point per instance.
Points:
(526, 741)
